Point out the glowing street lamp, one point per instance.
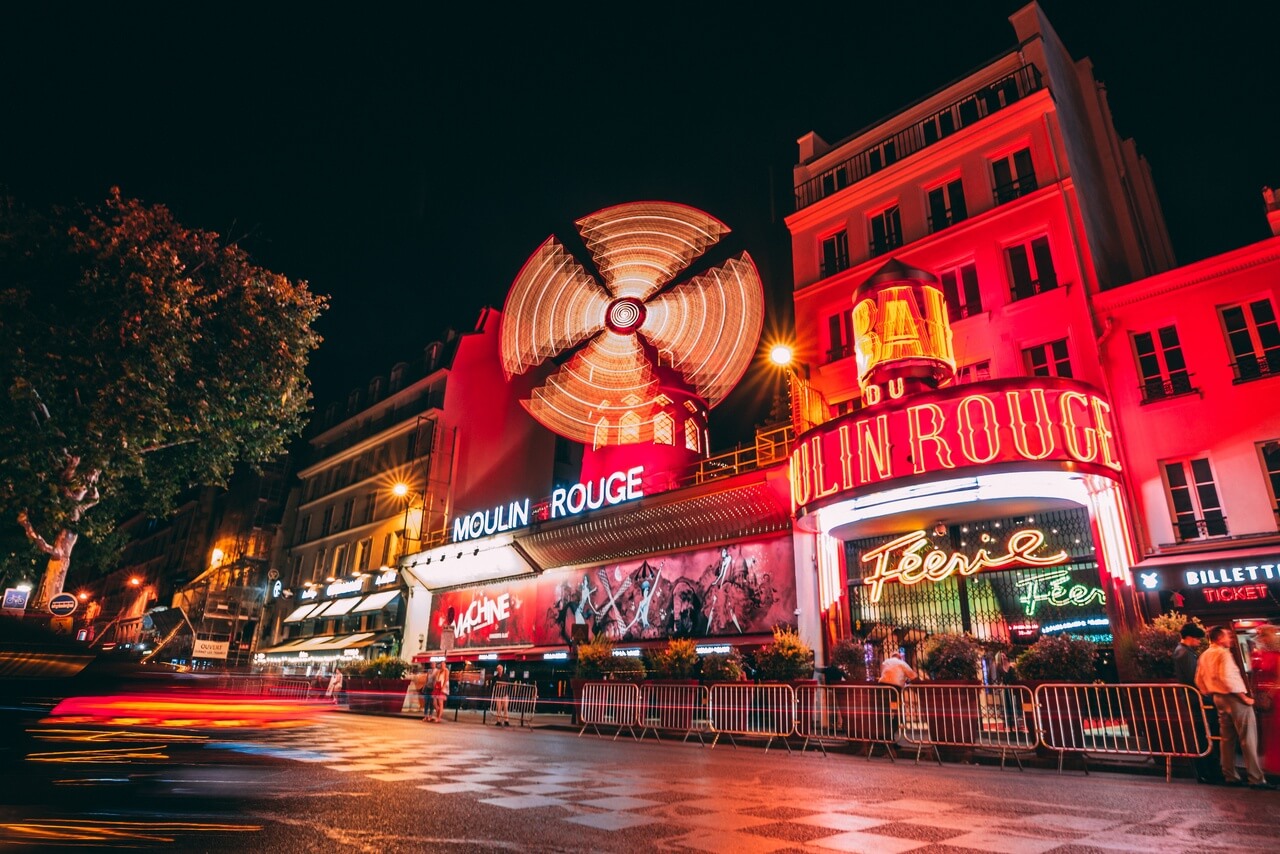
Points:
(781, 355)
(402, 490)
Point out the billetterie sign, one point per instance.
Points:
(565, 501)
(1056, 422)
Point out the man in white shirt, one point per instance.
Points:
(895, 671)
(1218, 676)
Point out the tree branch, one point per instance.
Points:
(32, 535)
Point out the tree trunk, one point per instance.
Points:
(55, 571)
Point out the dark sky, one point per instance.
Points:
(407, 163)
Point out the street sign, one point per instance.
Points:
(62, 625)
(273, 574)
(63, 605)
(15, 601)
(211, 649)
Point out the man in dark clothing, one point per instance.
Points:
(1185, 659)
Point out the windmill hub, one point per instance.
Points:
(625, 315)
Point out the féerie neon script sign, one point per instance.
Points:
(1055, 588)
(905, 559)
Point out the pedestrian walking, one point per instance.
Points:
(1218, 675)
(1186, 655)
(428, 689)
(1266, 682)
(501, 702)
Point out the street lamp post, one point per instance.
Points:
(402, 490)
(808, 405)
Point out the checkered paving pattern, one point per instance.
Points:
(689, 813)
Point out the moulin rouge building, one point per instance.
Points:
(1015, 417)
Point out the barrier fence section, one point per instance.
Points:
(1150, 720)
(512, 697)
(615, 704)
(979, 717)
(847, 713)
(764, 711)
(293, 689)
(673, 709)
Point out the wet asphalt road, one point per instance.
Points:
(357, 783)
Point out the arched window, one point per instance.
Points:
(628, 428)
(691, 434)
(601, 437)
(664, 429)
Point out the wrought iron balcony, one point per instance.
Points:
(970, 109)
(1158, 388)
(1199, 529)
(834, 264)
(1015, 189)
(838, 352)
(1025, 290)
(1252, 367)
(946, 219)
(886, 244)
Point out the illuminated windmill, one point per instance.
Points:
(641, 356)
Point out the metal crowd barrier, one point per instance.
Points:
(615, 704)
(847, 713)
(763, 711)
(674, 709)
(293, 689)
(977, 717)
(1154, 720)
(520, 698)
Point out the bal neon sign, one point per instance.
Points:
(901, 323)
(565, 501)
(1051, 422)
(905, 559)
(1056, 589)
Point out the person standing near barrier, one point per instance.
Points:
(1185, 658)
(1218, 675)
(1266, 682)
(440, 693)
(501, 703)
(428, 692)
(896, 672)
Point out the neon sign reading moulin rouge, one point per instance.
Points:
(1014, 420)
(914, 565)
(605, 491)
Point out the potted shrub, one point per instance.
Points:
(1057, 658)
(375, 684)
(721, 667)
(849, 658)
(594, 658)
(677, 661)
(672, 693)
(787, 659)
(1154, 644)
(950, 658)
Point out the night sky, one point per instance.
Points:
(407, 163)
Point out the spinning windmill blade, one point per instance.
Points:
(627, 331)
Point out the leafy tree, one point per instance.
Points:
(137, 357)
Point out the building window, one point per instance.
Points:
(1048, 360)
(397, 377)
(339, 561)
(946, 205)
(1013, 176)
(840, 335)
(375, 390)
(1193, 500)
(835, 253)
(295, 571)
(370, 503)
(304, 530)
(836, 179)
(664, 429)
(364, 551)
(691, 434)
(1161, 364)
(327, 525)
(1031, 268)
(629, 428)
(974, 373)
(388, 549)
(353, 402)
(317, 568)
(960, 286)
(1270, 454)
(1254, 339)
(886, 231)
(347, 508)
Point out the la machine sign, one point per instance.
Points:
(565, 501)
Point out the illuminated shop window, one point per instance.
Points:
(835, 253)
(629, 428)
(960, 286)
(974, 373)
(886, 231)
(1013, 176)
(1031, 268)
(1193, 499)
(664, 428)
(691, 434)
(946, 205)
(1269, 452)
(1048, 360)
(1161, 364)
(1254, 339)
(840, 335)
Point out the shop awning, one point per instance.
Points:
(299, 614)
(293, 645)
(376, 601)
(337, 607)
(341, 642)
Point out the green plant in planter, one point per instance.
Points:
(850, 657)
(786, 659)
(594, 658)
(624, 667)
(382, 667)
(1154, 643)
(719, 667)
(950, 657)
(1059, 658)
(677, 661)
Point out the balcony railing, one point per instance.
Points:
(834, 264)
(1015, 189)
(1158, 388)
(1252, 367)
(838, 352)
(1199, 529)
(945, 219)
(961, 113)
(887, 244)
(1024, 290)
